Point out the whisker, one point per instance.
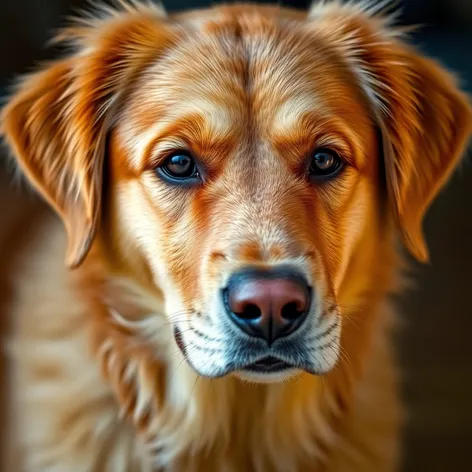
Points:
(324, 333)
(343, 354)
(355, 308)
(184, 359)
(197, 378)
(354, 321)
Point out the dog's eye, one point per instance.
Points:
(179, 166)
(325, 163)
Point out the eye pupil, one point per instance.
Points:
(323, 160)
(325, 163)
(179, 166)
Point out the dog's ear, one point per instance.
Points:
(57, 120)
(426, 121)
(427, 128)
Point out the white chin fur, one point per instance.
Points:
(259, 377)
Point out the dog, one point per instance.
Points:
(232, 186)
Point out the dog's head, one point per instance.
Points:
(255, 162)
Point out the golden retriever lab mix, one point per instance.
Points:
(231, 182)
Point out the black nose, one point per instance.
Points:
(268, 304)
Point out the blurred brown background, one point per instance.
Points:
(436, 343)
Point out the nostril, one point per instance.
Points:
(292, 311)
(243, 309)
(250, 312)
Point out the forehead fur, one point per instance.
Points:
(264, 69)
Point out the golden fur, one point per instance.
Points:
(97, 381)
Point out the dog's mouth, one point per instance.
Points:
(268, 365)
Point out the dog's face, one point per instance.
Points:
(248, 181)
(255, 160)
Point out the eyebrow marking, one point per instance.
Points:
(218, 121)
(292, 110)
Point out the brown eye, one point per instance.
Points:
(180, 166)
(325, 163)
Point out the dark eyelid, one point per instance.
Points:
(184, 183)
(153, 157)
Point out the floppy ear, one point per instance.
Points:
(428, 127)
(425, 119)
(57, 121)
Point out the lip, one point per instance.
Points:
(178, 339)
(265, 365)
(268, 365)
